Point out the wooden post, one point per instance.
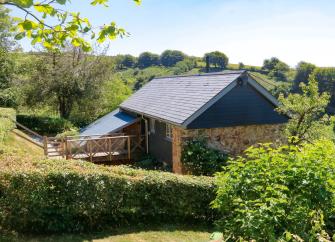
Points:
(146, 137)
(110, 149)
(45, 145)
(68, 150)
(128, 147)
(90, 149)
(63, 147)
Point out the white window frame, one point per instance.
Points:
(168, 131)
(152, 126)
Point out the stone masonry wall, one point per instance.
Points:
(232, 140)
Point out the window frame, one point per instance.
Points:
(152, 126)
(168, 132)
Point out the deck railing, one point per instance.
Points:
(111, 147)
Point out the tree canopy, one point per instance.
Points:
(65, 79)
(50, 24)
(147, 59)
(276, 68)
(326, 80)
(303, 72)
(171, 57)
(217, 58)
(6, 24)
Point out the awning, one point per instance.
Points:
(109, 123)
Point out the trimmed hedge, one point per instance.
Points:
(45, 125)
(73, 196)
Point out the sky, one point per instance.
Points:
(246, 31)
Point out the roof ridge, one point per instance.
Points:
(227, 72)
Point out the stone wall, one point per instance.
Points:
(232, 140)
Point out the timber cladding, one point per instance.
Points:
(231, 140)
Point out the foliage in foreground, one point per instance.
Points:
(199, 159)
(281, 193)
(71, 196)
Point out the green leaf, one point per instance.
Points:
(62, 2)
(76, 42)
(46, 9)
(20, 36)
(24, 3)
(27, 25)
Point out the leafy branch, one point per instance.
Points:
(69, 27)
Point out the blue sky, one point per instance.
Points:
(247, 31)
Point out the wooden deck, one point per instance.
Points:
(95, 148)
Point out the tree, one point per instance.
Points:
(308, 120)
(124, 61)
(241, 66)
(6, 69)
(147, 59)
(6, 24)
(326, 80)
(48, 23)
(65, 79)
(170, 57)
(303, 72)
(7, 66)
(216, 58)
(184, 66)
(276, 68)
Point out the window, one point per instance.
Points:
(152, 126)
(168, 131)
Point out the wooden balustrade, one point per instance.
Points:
(112, 147)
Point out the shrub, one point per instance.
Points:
(150, 163)
(6, 122)
(274, 193)
(199, 159)
(70, 196)
(45, 125)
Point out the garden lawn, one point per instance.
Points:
(161, 234)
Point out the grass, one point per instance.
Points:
(159, 234)
(16, 142)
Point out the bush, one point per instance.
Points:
(199, 159)
(281, 193)
(6, 122)
(44, 125)
(70, 196)
(150, 163)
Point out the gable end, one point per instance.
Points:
(243, 105)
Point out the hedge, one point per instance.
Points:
(45, 125)
(74, 196)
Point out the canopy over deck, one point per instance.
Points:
(110, 123)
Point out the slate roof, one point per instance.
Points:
(109, 123)
(175, 99)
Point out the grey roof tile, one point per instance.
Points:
(176, 98)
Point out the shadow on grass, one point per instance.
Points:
(80, 237)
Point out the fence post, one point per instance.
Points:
(128, 147)
(68, 149)
(90, 149)
(63, 146)
(45, 145)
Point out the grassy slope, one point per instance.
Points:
(22, 145)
